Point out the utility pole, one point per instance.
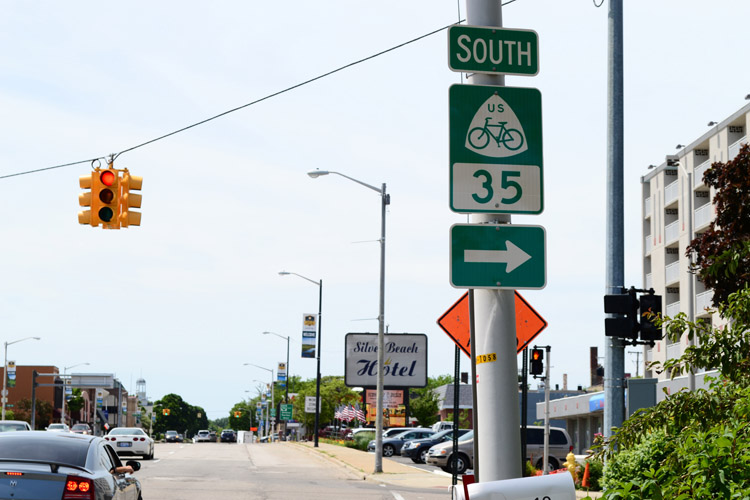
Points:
(614, 359)
(496, 383)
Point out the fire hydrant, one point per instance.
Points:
(571, 465)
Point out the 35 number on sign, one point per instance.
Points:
(505, 183)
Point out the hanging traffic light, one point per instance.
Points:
(129, 200)
(106, 197)
(84, 200)
(537, 361)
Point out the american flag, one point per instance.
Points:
(337, 414)
(358, 413)
(347, 413)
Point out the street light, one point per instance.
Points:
(286, 393)
(320, 340)
(272, 392)
(385, 200)
(65, 371)
(5, 371)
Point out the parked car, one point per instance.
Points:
(393, 431)
(333, 431)
(352, 433)
(442, 425)
(441, 455)
(58, 428)
(392, 445)
(53, 465)
(228, 436)
(202, 437)
(14, 425)
(131, 441)
(81, 429)
(172, 437)
(417, 449)
(559, 446)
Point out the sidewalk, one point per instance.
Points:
(362, 464)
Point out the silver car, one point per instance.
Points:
(55, 466)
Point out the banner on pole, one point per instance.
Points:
(309, 335)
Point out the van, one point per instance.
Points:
(442, 425)
(560, 444)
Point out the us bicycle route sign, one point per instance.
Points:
(496, 150)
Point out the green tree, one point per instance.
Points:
(424, 402)
(722, 253)
(76, 402)
(182, 417)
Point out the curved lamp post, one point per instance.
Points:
(320, 339)
(65, 372)
(385, 200)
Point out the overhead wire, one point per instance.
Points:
(238, 108)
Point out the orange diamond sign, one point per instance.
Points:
(455, 322)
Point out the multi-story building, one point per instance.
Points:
(677, 206)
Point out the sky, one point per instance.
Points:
(182, 300)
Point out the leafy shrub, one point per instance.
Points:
(529, 470)
(629, 463)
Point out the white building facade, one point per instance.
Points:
(677, 206)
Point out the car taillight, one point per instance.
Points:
(78, 488)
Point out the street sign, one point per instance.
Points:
(496, 163)
(286, 411)
(455, 322)
(498, 256)
(479, 49)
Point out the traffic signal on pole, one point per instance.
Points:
(537, 361)
(625, 326)
(129, 200)
(650, 308)
(166, 411)
(237, 414)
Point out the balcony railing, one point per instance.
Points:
(703, 301)
(647, 207)
(699, 171)
(734, 149)
(672, 232)
(671, 192)
(673, 309)
(703, 215)
(647, 244)
(672, 273)
(649, 281)
(673, 350)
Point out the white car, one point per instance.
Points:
(131, 441)
(58, 428)
(203, 437)
(14, 425)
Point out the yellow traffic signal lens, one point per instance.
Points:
(106, 195)
(107, 178)
(106, 214)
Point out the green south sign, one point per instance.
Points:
(498, 256)
(478, 49)
(496, 163)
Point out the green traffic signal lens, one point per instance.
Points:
(106, 214)
(106, 195)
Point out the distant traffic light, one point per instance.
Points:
(537, 362)
(237, 414)
(129, 200)
(166, 412)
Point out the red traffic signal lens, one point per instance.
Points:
(106, 214)
(107, 177)
(536, 354)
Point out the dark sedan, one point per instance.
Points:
(67, 466)
(228, 436)
(417, 449)
(392, 445)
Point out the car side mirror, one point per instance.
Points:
(135, 465)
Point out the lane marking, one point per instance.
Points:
(397, 496)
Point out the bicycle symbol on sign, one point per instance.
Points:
(511, 138)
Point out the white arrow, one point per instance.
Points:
(513, 256)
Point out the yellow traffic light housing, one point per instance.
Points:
(105, 199)
(130, 200)
(84, 200)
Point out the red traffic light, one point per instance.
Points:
(537, 355)
(108, 177)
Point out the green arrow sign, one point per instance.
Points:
(498, 256)
(495, 150)
(478, 49)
